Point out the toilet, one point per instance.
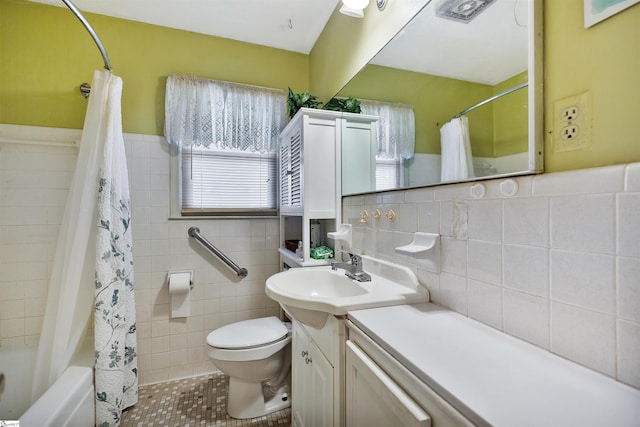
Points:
(256, 355)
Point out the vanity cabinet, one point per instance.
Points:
(312, 383)
(310, 174)
(317, 374)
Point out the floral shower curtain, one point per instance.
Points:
(116, 371)
(92, 268)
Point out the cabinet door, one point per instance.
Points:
(358, 149)
(300, 378)
(321, 391)
(312, 383)
(291, 171)
(373, 399)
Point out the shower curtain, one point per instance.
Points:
(456, 159)
(85, 274)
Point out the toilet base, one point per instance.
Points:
(246, 399)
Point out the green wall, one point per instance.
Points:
(510, 118)
(45, 54)
(497, 129)
(435, 101)
(604, 60)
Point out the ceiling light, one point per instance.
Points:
(354, 8)
(355, 4)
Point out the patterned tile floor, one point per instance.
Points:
(191, 402)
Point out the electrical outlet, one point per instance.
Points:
(572, 123)
(570, 113)
(569, 132)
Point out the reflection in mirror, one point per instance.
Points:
(469, 86)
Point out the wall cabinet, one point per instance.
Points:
(311, 166)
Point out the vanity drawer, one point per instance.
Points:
(374, 399)
(440, 412)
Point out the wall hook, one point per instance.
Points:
(377, 214)
(364, 216)
(85, 89)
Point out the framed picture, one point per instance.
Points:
(598, 10)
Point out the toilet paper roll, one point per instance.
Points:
(179, 289)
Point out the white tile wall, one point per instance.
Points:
(557, 264)
(33, 184)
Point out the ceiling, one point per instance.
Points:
(489, 49)
(284, 24)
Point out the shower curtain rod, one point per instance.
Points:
(76, 11)
(493, 98)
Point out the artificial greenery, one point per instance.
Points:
(349, 105)
(295, 101)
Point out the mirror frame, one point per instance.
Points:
(535, 99)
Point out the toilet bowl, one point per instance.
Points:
(256, 355)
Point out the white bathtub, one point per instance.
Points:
(68, 402)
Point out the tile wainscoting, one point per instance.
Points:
(556, 264)
(36, 168)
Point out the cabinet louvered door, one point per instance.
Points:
(285, 182)
(291, 172)
(296, 170)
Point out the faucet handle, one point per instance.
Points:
(355, 259)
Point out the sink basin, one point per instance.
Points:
(311, 294)
(318, 283)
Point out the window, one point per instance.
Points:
(225, 135)
(387, 174)
(396, 140)
(228, 181)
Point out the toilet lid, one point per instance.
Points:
(248, 333)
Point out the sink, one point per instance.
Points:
(312, 294)
(318, 283)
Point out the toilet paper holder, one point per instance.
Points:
(180, 284)
(170, 273)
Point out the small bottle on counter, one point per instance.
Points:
(315, 233)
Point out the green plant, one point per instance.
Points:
(349, 105)
(295, 101)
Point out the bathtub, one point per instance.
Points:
(68, 402)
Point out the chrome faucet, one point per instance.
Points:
(352, 270)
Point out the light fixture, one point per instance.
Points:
(354, 8)
(461, 10)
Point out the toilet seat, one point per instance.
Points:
(248, 334)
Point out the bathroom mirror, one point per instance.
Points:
(452, 60)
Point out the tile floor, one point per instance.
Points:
(191, 402)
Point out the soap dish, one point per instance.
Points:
(422, 243)
(425, 249)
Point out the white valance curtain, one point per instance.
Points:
(223, 115)
(396, 129)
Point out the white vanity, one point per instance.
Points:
(384, 356)
(442, 368)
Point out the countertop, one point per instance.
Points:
(494, 378)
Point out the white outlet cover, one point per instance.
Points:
(579, 124)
